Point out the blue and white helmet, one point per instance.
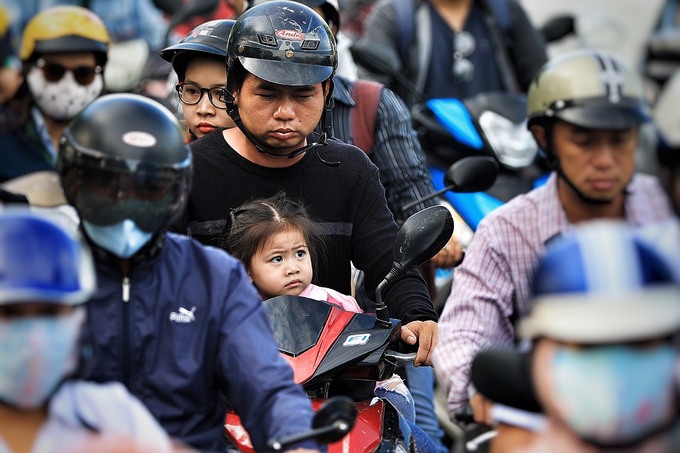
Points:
(41, 261)
(603, 284)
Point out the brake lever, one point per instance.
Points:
(401, 356)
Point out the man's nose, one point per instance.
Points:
(285, 110)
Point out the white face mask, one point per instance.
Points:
(36, 354)
(64, 99)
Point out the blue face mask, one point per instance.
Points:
(123, 239)
(36, 354)
(615, 395)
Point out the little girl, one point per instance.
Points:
(279, 245)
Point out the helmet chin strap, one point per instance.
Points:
(584, 198)
(262, 148)
(554, 163)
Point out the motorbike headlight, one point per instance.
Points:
(513, 143)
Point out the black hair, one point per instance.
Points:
(250, 225)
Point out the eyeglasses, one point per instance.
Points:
(53, 72)
(463, 46)
(191, 94)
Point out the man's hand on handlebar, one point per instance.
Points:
(425, 334)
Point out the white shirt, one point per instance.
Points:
(83, 413)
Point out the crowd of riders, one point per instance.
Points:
(131, 308)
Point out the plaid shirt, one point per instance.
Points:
(492, 286)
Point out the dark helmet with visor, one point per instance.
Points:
(285, 43)
(208, 40)
(126, 169)
(282, 42)
(330, 8)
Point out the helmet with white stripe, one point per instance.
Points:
(603, 284)
(588, 88)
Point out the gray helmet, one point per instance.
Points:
(282, 42)
(588, 88)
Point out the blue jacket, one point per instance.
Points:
(183, 331)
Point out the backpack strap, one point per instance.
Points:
(366, 95)
(501, 12)
(405, 14)
(498, 20)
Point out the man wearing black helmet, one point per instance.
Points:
(178, 323)
(281, 59)
(584, 110)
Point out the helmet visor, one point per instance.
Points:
(597, 113)
(286, 73)
(109, 191)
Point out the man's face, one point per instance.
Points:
(599, 162)
(280, 116)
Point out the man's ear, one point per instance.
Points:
(235, 94)
(538, 132)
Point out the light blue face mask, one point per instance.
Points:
(36, 354)
(123, 239)
(615, 395)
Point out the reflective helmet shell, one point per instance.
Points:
(283, 42)
(65, 29)
(124, 158)
(603, 284)
(41, 261)
(330, 8)
(588, 88)
(208, 39)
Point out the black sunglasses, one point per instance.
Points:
(53, 72)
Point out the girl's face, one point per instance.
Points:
(204, 117)
(282, 266)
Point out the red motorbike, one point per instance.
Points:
(335, 352)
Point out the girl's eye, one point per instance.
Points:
(276, 259)
(300, 254)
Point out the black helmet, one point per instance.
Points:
(588, 88)
(123, 160)
(330, 8)
(208, 39)
(282, 42)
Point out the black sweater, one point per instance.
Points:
(347, 199)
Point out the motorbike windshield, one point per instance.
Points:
(297, 322)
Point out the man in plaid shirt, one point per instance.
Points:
(584, 109)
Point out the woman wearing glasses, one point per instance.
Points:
(199, 60)
(63, 52)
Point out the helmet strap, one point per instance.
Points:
(554, 163)
(326, 127)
